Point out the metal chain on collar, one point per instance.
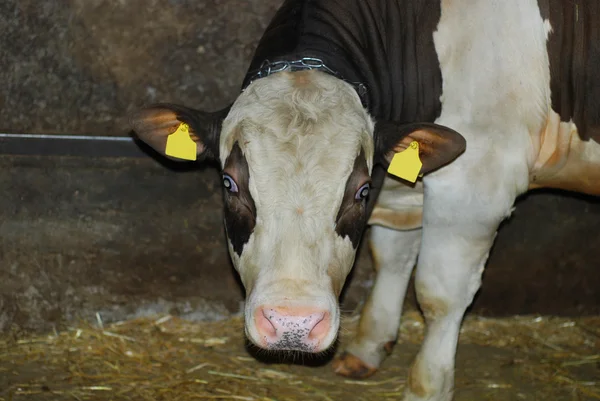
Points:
(306, 63)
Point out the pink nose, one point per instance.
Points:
(287, 328)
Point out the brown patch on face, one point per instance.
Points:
(301, 79)
(351, 366)
(351, 219)
(397, 220)
(240, 211)
(416, 379)
(432, 307)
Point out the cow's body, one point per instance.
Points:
(491, 70)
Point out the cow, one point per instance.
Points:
(501, 96)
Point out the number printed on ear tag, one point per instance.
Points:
(180, 145)
(407, 163)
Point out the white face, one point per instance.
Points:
(296, 151)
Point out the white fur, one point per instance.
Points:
(300, 144)
(496, 94)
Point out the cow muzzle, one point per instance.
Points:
(288, 328)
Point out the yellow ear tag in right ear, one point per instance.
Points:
(180, 145)
(407, 164)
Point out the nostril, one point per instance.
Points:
(263, 324)
(293, 328)
(321, 328)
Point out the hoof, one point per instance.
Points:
(348, 365)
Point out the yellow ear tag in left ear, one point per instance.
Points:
(180, 145)
(407, 164)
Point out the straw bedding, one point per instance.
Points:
(167, 358)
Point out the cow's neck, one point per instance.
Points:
(387, 46)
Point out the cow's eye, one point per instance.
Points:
(362, 192)
(229, 183)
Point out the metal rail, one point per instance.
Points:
(71, 145)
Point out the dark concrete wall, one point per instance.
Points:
(78, 65)
(125, 237)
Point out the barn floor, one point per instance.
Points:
(524, 358)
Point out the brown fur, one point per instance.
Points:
(350, 366)
(374, 256)
(389, 347)
(301, 79)
(398, 220)
(574, 53)
(416, 379)
(562, 163)
(433, 307)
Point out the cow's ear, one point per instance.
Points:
(438, 145)
(154, 124)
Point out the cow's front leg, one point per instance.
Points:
(394, 256)
(457, 237)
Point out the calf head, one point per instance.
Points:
(297, 152)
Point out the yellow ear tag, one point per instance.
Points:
(180, 145)
(407, 164)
